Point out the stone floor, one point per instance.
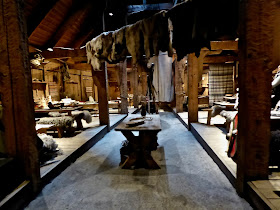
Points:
(188, 178)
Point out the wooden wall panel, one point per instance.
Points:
(37, 74)
(114, 91)
(87, 85)
(77, 87)
(54, 80)
(73, 87)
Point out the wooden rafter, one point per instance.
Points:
(35, 11)
(51, 22)
(83, 38)
(64, 53)
(68, 32)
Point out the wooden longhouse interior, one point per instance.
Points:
(74, 73)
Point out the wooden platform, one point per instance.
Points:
(263, 194)
(75, 146)
(72, 148)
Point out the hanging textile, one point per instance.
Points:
(163, 78)
(220, 81)
(197, 22)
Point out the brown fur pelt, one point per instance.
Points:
(133, 38)
(99, 50)
(65, 121)
(85, 115)
(91, 47)
(216, 110)
(119, 49)
(156, 35)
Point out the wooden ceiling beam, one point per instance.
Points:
(64, 53)
(147, 7)
(219, 59)
(35, 11)
(83, 39)
(68, 32)
(81, 66)
(51, 22)
(224, 45)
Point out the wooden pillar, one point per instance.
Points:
(135, 86)
(186, 81)
(192, 89)
(95, 92)
(16, 91)
(81, 85)
(179, 91)
(256, 64)
(123, 87)
(101, 81)
(144, 82)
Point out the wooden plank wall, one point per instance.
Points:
(78, 87)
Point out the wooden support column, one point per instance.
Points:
(144, 82)
(179, 91)
(101, 81)
(192, 89)
(16, 91)
(95, 92)
(135, 86)
(81, 85)
(123, 87)
(256, 64)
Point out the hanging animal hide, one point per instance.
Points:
(156, 34)
(134, 41)
(194, 25)
(119, 49)
(91, 47)
(99, 50)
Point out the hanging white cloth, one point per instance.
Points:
(162, 77)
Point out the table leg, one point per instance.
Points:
(60, 132)
(137, 151)
(149, 143)
(209, 117)
(128, 151)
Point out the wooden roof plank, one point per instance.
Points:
(47, 27)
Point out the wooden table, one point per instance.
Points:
(230, 99)
(229, 106)
(136, 151)
(93, 106)
(67, 110)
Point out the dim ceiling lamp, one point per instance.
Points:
(111, 14)
(50, 49)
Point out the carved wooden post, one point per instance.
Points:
(179, 91)
(16, 90)
(256, 56)
(192, 89)
(123, 87)
(101, 81)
